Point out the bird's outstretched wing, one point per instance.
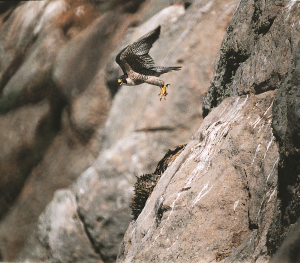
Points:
(135, 56)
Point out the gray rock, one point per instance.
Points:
(133, 141)
(44, 145)
(20, 149)
(289, 250)
(21, 30)
(79, 60)
(33, 78)
(287, 132)
(259, 53)
(256, 51)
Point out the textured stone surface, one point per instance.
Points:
(221, 189)
(287, 132)
(260, 52)
(289, 250)
(60, 225)
(256, 51)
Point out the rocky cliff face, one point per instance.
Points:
(230, 196)
(264, 49)
(215, 201)
(63, 118)
(192, 214)
(51, 107)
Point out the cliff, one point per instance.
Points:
(232, 194)
(73, 141)
(65, 124)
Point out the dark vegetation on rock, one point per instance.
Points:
(146, 182)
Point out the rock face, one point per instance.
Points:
(62, 213)
(217, 198)
(232, 195)
(257, 37)
(261, 53)
(62, 118)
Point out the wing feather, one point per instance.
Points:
(143, 45)
(135, 56)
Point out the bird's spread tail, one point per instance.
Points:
(162, 70)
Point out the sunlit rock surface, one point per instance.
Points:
(218, 193)
(259, 53)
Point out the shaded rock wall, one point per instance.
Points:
(256, 51)
(287, 131)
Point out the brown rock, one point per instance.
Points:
(219, 191)
(260, 52)
(47, 140)
(20, 149)
(138, 131)
(22, 28)
(59, 214)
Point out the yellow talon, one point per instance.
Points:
(163, 91)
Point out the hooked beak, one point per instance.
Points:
(120, 81)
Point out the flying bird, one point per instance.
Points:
(138, 66)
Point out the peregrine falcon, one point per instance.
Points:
(139, 67)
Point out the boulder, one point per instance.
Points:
(74, 245)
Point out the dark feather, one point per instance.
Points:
(136, 55)
(164, 69)
(143, 45)
(118, 60)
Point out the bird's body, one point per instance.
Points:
(139, 67)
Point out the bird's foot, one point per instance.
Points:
(163, 91)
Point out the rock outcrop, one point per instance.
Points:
(216, 200)
(232, 194)
(260, 53)
(241, 208)
(62, 118)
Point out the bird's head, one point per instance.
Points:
(122, 80)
